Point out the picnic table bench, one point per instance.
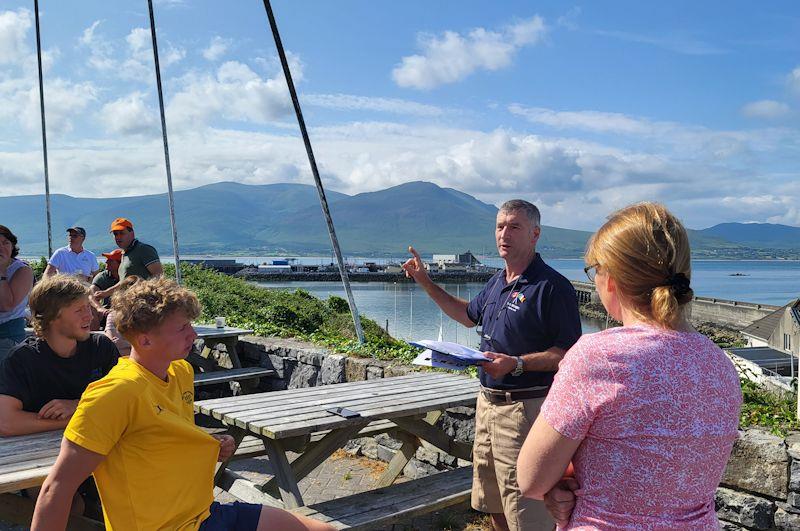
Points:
(295, 420)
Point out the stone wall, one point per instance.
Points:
(735, 314)
(759, 491)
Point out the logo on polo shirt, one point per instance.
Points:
(515, 300)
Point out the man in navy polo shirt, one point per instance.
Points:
(527, 317)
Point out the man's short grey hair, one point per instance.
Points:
(520, 205)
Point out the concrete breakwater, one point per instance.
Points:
(379, 276)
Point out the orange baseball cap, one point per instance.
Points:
(121, 224)
(115, 255)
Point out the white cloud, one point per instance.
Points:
(14, 26)
(235, 93)
(352, 102)
(593, 121)
(139, 43)
(452, 57)
(129, 115)
(217, 48)
(173, 55)
(100, 49)
(766, 109)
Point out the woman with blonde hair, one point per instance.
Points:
(647, 412)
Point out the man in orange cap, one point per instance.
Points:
(138, 258)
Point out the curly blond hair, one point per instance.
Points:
(643, 247)
(52, 294)
(144, 305)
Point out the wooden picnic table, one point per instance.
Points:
(26, 460)
(227, 335)
(286, 420)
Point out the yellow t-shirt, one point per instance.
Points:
(159, 467)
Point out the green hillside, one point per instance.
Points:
(281, 219)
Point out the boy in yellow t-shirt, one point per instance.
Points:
(134, 431)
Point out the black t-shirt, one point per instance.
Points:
(35, 375)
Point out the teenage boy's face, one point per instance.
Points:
(174, 337)
(74, 320)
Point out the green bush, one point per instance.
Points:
(763, 408)
(286, 313)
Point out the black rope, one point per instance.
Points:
(166, 145)
(44, 133)
(312, 161)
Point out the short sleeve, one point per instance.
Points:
(583, 388)
(562, 317)
(103, 414)
(94, 263)
(55, 260)
(149, 255)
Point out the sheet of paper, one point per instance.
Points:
(456, 350)
(430, 358)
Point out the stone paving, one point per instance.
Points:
(343, 475)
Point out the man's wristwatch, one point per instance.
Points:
(520, 367)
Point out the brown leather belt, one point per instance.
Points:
(509, 397)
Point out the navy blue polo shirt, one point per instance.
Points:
(537, 311)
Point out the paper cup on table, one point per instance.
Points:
(220, 321)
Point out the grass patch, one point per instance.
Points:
(777, 413)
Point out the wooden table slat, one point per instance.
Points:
(398, 399)
(310, 392)
(290, 430)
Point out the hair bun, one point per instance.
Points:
(679, 284)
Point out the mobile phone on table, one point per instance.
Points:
(343, 412)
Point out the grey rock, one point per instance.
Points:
(417, 469)
(311, 357)
(397, 370)
(304, 375)
(727, 526)
(794, 474)
(744, 509)
(356, 369)
(794, 499)
(384, 453)
(276, 363)
(333, 369)
(459, 426)
(369, 448)
(388, 441)
(448, 460)
(427, 456)
(374, 373)
(786, 520)
(759, 464)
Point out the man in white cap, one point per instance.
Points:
(73, 259)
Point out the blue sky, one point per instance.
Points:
(581, 108)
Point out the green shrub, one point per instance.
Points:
(763, 408)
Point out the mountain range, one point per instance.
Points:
(286, 219)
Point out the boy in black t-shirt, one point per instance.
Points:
(42, 379)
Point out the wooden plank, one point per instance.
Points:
(245, 490)
(292, 398)
(224, 376)
(21, 444)
(381, 507)
(289, 429)
(293, 394)
(24, 479)
(18, 510)
(318, 453)
(287, 483)
(407, 450)
(436, 437)
(398, 397)
(254, 447)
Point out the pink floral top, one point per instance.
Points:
(657, 411)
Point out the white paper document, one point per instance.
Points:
(446, 355)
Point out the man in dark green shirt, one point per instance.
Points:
(138, 258)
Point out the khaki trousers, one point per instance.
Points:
(500, 430)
